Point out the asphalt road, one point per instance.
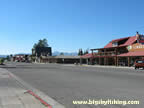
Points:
(66, 83)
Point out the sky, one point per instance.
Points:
(67, 24)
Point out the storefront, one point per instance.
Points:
(123, 51)
(135, 51)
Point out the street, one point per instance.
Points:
(66, 83)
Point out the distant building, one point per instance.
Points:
(42, 51)
(60, 59)
(67, 59)
(20, 58)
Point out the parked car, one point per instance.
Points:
(139, 64)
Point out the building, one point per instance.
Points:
(67, 59)
(60, 59)
(42, 51)
(21, 58)
(123, 51)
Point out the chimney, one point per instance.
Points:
(137, 36)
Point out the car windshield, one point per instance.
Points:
(140, 61)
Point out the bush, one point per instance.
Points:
(1, 61)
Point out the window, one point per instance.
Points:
(114, 44)
(140, 61)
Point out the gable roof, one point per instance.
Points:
(116, 40)
(87, 55)
(108, 45)
(130, 41)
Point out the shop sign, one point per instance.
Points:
(136, 47)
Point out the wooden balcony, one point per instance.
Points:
(110, 53)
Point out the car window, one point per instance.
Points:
(139, 61)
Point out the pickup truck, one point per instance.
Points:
(139, 64)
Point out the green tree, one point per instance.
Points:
(2, 61)
(41, 43)
(11, 55)
(80, 53)
(86, 51)
(8, 57)
(61, 53)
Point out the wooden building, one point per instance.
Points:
(123, 51)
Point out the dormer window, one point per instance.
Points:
(114, 44)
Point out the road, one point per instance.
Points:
(66, 83)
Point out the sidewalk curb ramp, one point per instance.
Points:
(42, 97)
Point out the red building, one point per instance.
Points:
(123, 51)
(21, 58)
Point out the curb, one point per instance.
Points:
(37, 97)
(42, 97)
(116, 67)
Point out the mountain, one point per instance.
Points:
(3, 56)
(55, 53)
(22, 53)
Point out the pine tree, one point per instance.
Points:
(80, 53)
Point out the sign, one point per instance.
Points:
(136, 47)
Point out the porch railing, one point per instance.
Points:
(111, 53)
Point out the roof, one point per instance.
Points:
(87, 55)
(94, 56)
(116, 40)
(20, 55)
(47, 57)
(67, 57)
(108, 45)
(136, 53)
(130, 41)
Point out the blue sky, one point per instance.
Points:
(67, 24)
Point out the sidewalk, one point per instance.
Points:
(100, 66)
(106, 66)
(15, 94)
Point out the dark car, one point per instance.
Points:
(139, 64)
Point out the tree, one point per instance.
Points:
(8, 57)
(2, 61)
(80, 53)
(86, 51)
(41, 43)
(61, 53)
(11, 55)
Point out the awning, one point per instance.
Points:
(135, 53)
